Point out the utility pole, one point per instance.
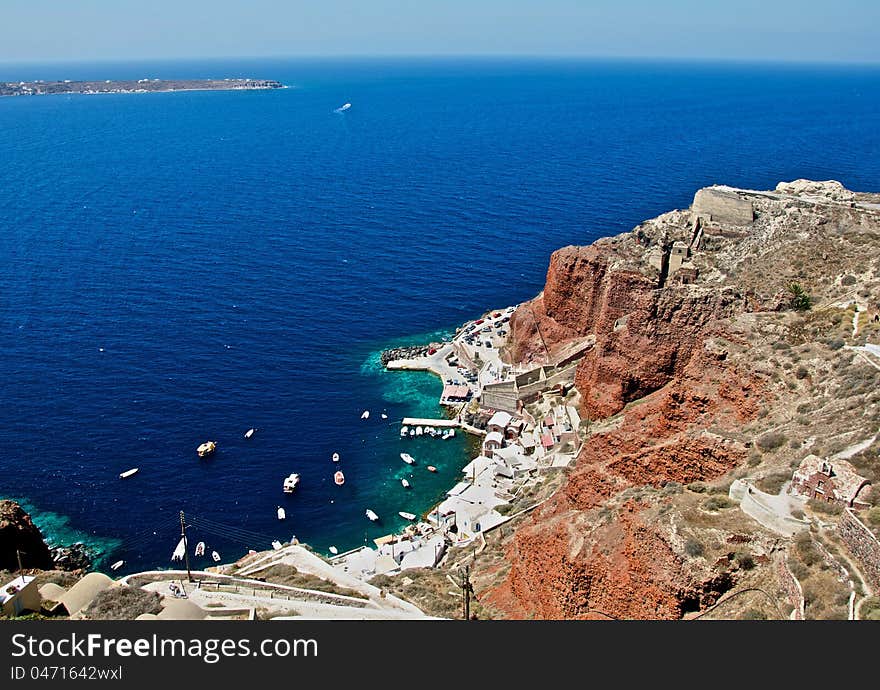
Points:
(18, 556)
(185, 546)
(466, 591)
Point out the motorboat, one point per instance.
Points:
(412, 432)
(117, 565)
(249, 433)
(404, 431)
(405, 483)
(370, 514)
(339, 478)
(128, 473)
(408, 459)
(200, 549)
(333, 550)
(407, 516)
(384, 416)
(419, 431)
(290, 483)
(206, 448)
(343, 108)
(335, 457)
(281, 514)
(431, 468)
(215, 556)
(365, 414)
(276, 545)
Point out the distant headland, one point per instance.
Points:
(41, 88)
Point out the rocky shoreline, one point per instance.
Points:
(396, 353)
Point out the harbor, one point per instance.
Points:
(525, 424)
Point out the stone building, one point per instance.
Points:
(834, 483)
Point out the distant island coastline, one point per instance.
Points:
(42, 88)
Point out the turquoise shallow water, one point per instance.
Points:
(182, 267)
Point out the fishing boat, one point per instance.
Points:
(290, 483)
(333, 550)
(200, 549)
(412, 432)
(404, 483)
(128, 473)
(404, 431)
(419, 431)
(407, 516)
(206, 448)
(370, 514)
(117, 565)
(431, 468)
(249, 433)
(335, 457)
(281, 514)
(365, 414)
(339, 478)
(215, 556)
(407, 458)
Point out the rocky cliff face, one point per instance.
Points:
(18, 533)
(682, 314)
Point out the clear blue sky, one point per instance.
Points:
(81, 30)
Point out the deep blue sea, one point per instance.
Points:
(181, 267)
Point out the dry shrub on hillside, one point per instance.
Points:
(123, 603)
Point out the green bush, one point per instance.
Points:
(800, 300)
(825, 507)
(771, 441)
(693, 548)
(718, 502)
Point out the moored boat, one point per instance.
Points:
(335, 457)
(281, 514)
(339, 478)
(431, 468)
(215, 556)
(249, 433)
(404, 431)
(404, 483)
(276, 545)
(290, 483)
(408, 459)
(200, 549)
(128, 473)
(407, 516)
(371, 515)
(206, 448)
(365, 414)
(333, 550)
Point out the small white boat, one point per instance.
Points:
(179, 551)
(407, 516)
(339, 478)
(404, 431)
(335, 457)
(370, 514)
(281, 514)
(384, 416)
(200, 549)
(117, 565)
(408, 459)
(215, 556)
(276, 545)
(365, 414)
(343, 108)
(333, 550)
(290, 483)
(412, 432)
(404, 483)
(431, 468)
(128, 473)
(419, 431)
(206, 448)
(249, 433)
